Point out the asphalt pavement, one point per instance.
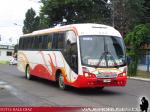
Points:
(8, 99)
(15, 90)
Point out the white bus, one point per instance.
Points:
(78, 55)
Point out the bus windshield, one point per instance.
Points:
(102, 51)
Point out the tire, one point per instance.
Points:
(27, 73)
(100, 88)
(61, 83)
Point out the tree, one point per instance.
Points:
(127, 14)
(75, 11)
(31, 22)
(136, 40)
(146, 17)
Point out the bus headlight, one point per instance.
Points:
(86, 74)
(122, 74)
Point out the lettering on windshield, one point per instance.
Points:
(87, 38)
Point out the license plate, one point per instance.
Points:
(107, 80)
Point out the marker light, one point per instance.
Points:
(86, 74)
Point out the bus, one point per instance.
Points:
(79, 55)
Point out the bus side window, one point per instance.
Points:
(49, 42)
(40, 42)
(58, 41)
(61, 37)
(25, 45)
(20, 43)
(32, 43)
(29, 42)
(55, 41)
(44, 42)
(35, 44)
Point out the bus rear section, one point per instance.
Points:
(89, 56)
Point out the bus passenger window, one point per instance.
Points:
(30, 42)
(35, 45)
(49, 45)
(55, 41)
(49, 42)
(61, 41)
(32, 45)
(40, 42)
(44, 42)
(20, 43)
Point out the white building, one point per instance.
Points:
(6, 47)
(6, 52)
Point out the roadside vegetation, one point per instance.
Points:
(4, 62)
(143, 74)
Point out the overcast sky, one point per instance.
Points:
(13, 12)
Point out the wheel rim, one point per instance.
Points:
(61, 82)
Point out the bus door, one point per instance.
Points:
(70, 52)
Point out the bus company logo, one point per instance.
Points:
(144, 105)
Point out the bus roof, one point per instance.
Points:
(80, 29)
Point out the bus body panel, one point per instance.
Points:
(48, 70)
(45, 64)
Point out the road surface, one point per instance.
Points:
(39, 92)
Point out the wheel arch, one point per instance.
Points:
(26, 66)
(58, 72)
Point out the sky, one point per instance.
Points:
(12, 15)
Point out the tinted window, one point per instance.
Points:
(58, 41)
(61, 41)
(36, 41)
(45, 41)
(20, 43)
(40, 38)
(49, 42)
(55, 40)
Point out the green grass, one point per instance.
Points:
(4, 62)
(143, 74)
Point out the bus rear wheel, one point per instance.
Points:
(61, 83)
(27, 73)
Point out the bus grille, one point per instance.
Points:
(106, 76)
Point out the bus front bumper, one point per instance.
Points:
(83, 82)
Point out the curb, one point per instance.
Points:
(139, 78)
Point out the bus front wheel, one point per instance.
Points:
(27, 73)
(61, 83)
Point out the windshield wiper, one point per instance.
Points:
(104, 56)
(101, 57)
(115, 63)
